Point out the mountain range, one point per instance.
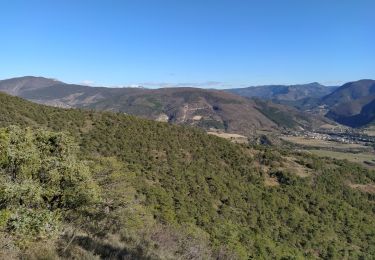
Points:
(241, 110)
(285, 92)
(352, 104)
(209, 109)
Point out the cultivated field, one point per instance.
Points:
(352, 157)
(352, 152)
(370, 131)
(323, 143)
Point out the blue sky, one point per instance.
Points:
(207, 43)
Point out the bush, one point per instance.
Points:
(41, 178)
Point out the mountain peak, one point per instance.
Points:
(16, 86)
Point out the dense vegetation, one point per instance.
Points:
(40, 179)
(158, 191)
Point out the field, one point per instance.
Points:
(352, 152)
(352, 157)
(323, 143)
(327, 126)
(370, 131)
(236, 138)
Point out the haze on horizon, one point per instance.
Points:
(208, 43)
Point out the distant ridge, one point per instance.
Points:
(17, 86)
(285, 92)
(205, 108)
(352, 104)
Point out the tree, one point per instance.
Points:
(40, 178)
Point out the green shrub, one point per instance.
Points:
(40, 178)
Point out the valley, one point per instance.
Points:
(168, 167)
(338, 142)
(187, 130)
(352, 145)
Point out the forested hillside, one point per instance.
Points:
(115, 186)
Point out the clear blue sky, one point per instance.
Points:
(203, 42)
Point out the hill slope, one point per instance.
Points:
(239, 202)
(352, 103)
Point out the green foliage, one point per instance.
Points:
(30, 223)
(4, 217)
(281, 118)
(210, 123)
(40, 177)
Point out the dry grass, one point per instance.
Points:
(368, 188)
(271, 181)
(87, 126)
(292, 166)
(236, 138)
(370, 131)
(288, 164)
(327, 126)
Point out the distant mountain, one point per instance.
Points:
(208, 109)
(192, 106)
(352, 104)
(285, 93)
(17, 86)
